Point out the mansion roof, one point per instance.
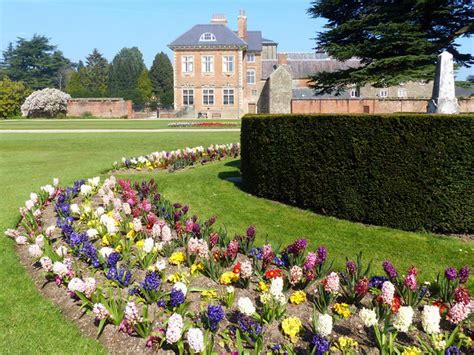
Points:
(223, 37)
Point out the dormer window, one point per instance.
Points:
(207, 37)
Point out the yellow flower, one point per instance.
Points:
(342, 309)
(262, 286)
(118, 249)
(139, 245)
(177, 258)
(412, 350)
(210, 294)
(174, 277)
(291, 327)
(298, 297)
(197, 267)
(106, 240)
(228, 278)
(345, 344)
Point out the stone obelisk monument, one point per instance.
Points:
(443, 99)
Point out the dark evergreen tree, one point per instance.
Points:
(125, 70)
(161, 76)
(36, 62)
(75, 85)
(396, 41)
(96, 74)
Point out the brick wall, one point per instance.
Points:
(369, 105)
(109, 107)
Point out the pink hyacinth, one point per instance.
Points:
(310, 261)
(459, 312)
(232, 249)
(267, 253)
(296, 274)
(388, 292)
(246, 269)
(410, 281)
(331, 284)
(189, 226)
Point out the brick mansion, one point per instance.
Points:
(219, 72)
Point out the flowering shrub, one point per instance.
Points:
(135, 261)
(45, 103)
(180, 158)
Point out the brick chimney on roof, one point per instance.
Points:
(242, 24)
(282, 58)
(219, 19)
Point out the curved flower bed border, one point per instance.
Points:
(202, 124)
(181, 158)
(132, 259)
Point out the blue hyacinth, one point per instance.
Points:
(176, 297)
(214, 315)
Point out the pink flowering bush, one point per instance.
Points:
(45, 103)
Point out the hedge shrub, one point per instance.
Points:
(412, 172)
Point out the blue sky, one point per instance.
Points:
(78, 26)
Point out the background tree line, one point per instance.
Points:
(39, 64)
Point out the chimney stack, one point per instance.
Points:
(219, 19)
(242, 21)
(282, 59)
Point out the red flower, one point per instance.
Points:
(273, 273)
(442, 307)
(237, 268)
(396, 304)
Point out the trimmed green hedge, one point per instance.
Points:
(410, 172)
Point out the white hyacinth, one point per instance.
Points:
(181, 286)
(46, 264)
(403, 319)
(61, 251)
(368, 316)
(195, 340)
(246, 306)
(430, 319)
(39, 240)
(276, 287)
(35, 251)
(34, 197)
(100, 311)
(60, 268)
(75, 208)
(86, 190)
(175, 326)
(148, 245)
(29, 204)
(76, 284)
(92, 233)
(324, 324)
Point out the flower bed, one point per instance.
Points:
(181, 158)
(142, 266)
(202, 124)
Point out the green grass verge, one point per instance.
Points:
(29, 322)
(106, 124)
(208, 193)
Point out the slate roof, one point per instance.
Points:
(303, 65)
(464, 92)
(225, 37)
(254, 40)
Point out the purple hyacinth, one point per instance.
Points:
(152, 281)
(176, 297)
(161, 303)
(322, 255)
(214, 315)
(452, 350)
(351, 267)
(310, 261)
(113, 259)
(319, 344)
(464, 274)
(297, 247)
(390, 269)
(450, 273)
(251, 232)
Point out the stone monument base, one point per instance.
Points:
(446, 106)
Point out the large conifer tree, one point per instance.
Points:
(161, 76)
(96, 74)
(395, 41)
(124, 73)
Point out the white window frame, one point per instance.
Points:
(253, 77)
(383, 92)
(250, 57)
(228, 62)
(205, 63)
(402, 92)
(228, 95)
(355, 92)
(208, 97)
(187, 64)
(207, 37)
(188, 97)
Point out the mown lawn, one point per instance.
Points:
(30, 323)
(105, 124)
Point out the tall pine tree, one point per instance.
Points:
(161, 76)
(124, 73)
(36, 62)
(96, 74)
(144, 87)
(396, 41)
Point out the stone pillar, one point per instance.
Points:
(443, 99)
